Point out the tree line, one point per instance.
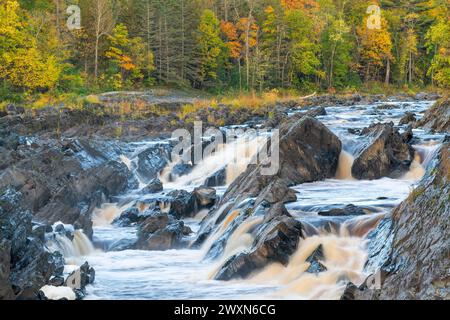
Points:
(221, 45)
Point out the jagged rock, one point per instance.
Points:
(154, 186)
(72, 180)
(182, 204)
(275, 242)
(80, 278)
(407, 118)
(25, 264)
(437, 118)
(349, 210)
(421, 96)
(408, 135)
(56, 281)
(206, 197)
(386, 154)
(410, 246)
(12, 109)
(217, 179)
(314, 259)
(159, 232)
(309, 152)
(153, 160)
(181, 169)
(130, 217)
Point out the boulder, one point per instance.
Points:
(407, 118)
(160, 232)
(217, 179)
(153, 160)
(275, 242)
(182, 204)
(349, 210)
(385, 154)
(315, 261)
(206, 197)
(309, 152)
(129, 217)
(81, 277)
(437, 118)
(154, 186)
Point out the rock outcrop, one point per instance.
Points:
(275, 242)
(437, 118)
(25, 263)
(161, 232)
(385, 155)
(408, 118)
(309, 152)
(64, 180)
(410, 248)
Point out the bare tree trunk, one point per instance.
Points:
(330, 78)
(166, 34)
(160, 48)
(388, 72)
(58, 27)
(148, 33)
(225, 9)
(96, 58)
(410, 77)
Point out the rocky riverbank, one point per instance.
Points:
(58, 166)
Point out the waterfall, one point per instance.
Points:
(416, 170)
(344, 170)
(240, 240)
(235, 156)
(219, 231)
(422, 157)
(360, 226)
(344, 259)
(78, 247)
(106, 214)
(127, 161)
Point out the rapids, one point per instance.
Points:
(185, 274)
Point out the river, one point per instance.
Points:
(185, 274)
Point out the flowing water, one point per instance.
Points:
(185, 274)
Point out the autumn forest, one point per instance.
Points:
(221, 45)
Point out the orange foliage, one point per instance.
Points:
(308, 6)
(231, 33)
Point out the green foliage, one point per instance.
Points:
(210, 47)
(245, 46)
(23, 65)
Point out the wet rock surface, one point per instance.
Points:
(275, 242)
(408, 118)
(410, 247)
(349, 210)
(437, 118)
(385, 155)
(160, 232)
(65, 180)
(308, 152)
(25, 264)
(315, 261)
